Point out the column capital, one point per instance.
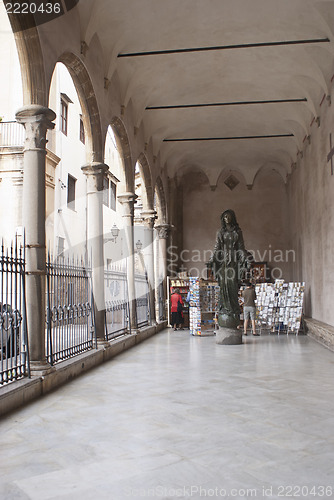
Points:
(95, 168)
(163, 230)
(94, 173)
(127, 197)
(149, 217)
(128, 201)
(36, 120)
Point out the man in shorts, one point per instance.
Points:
(249, 296)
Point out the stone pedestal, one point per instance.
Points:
(228, 336)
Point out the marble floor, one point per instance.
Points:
(180, 417)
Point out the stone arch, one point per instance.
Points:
(123, 146)
(88, 103)
(145, 173)
(159, 193)
(189, 169)
(31, 59)
(272, 167)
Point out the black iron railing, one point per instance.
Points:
(14, 353)
(117, 303)
(142, 300)
(70, 321)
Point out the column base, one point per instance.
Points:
(102, 342)
(40, 368)
(228, 336)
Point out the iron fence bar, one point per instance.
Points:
(24, 320)
(48, 318)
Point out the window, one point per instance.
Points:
(63, 116)
(112, 195)
(105, 194)
(71, 181)
(82, 131)
(109, 193)
(61, 245)
(64, 102)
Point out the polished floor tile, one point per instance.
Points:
(181, 417)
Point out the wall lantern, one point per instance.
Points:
(114, 234)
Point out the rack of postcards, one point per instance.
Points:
(203, 305)
(194, 307)
(208, 299)
(280, 306)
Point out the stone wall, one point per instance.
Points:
(261, 213)
(311, 208)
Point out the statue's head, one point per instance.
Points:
(228, 217)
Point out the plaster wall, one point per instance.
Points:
(311, 208)
(11, 181)
(69, 221)
(261, 213)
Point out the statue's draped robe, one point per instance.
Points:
(228, 265)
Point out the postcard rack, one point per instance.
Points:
(280, 306)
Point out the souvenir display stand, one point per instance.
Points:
(183, 285)
(203, 306)
(280, 306)
(194, 307)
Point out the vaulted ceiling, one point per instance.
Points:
(218, 84)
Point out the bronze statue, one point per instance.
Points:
(229, 263)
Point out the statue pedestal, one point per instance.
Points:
(228, 336)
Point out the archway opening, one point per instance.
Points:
(12, 134)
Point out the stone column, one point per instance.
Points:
(149, 217)
(95, 172)
(163, 232)
(36, 120)
(127, 201)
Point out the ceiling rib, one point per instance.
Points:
(224, 47)
(237, 103)
(245, 137)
